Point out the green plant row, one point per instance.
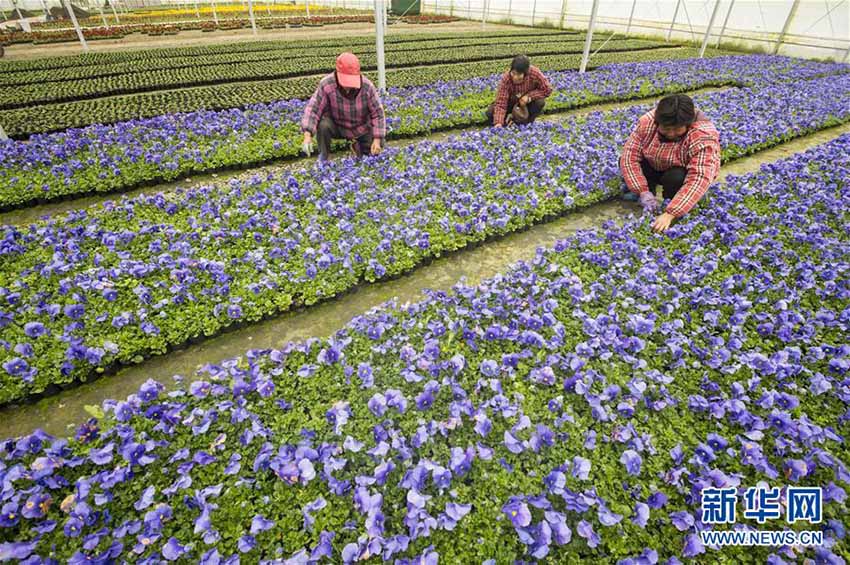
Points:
(35, 94)
(356, 45)
(247, 47)
(22, 122)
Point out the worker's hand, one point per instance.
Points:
(648, 201)
(498, 125)
(662, 222)
(523, 100)
(307, 145)
(376, 146)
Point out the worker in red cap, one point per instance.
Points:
(345, 106)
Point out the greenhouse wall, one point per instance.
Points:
(801, 28)
(816, 29)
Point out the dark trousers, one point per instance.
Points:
(670, 180)
(328, 131)
(534, 108)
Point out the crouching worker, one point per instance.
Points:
(345, 106)
(675, 146)
(521, 96)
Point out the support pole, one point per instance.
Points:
(3, 135)
(74, 21)
(673, 22)
(484, 14)
(587, 40)
(787, 26)
(25, 25)
(215, 13)
(46, 11)
(708, 29)
(102, 16)
(510, 2)
(197, 11)
(725, 22)
(251, 16)
(631, 16)
(307, 8)
(563, 13)
(533, 12)
(379, 45)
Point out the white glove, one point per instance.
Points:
(307, 148)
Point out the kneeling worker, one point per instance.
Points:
(675, 146)
(345, 106)
(521, 96)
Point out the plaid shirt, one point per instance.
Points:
(535, 85)
(354, 117)
(698, 151)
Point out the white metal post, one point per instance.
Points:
(25, 25)
(3, 135)
(379, 45)
(484, 14)
(587, 40)
(74, 21)
(215, 13)
(673, 22)
(114, 13)
(631, 15)
(725, 22)
(708, 29)
(197, 11)
(787, 26)
(46, 11)
(251, 16)
(533, 12)
(563, 13)
(102, 16)
(307, 7)
(510, 5)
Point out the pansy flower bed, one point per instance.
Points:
(571, 409)
(124, 155)
(115, 284)
(22, 122)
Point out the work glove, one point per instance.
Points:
(648, 201)
(307, 148)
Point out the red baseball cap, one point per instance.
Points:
(348, 70)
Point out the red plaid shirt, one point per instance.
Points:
(698, 152)
(354, 117)
(535, 85)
